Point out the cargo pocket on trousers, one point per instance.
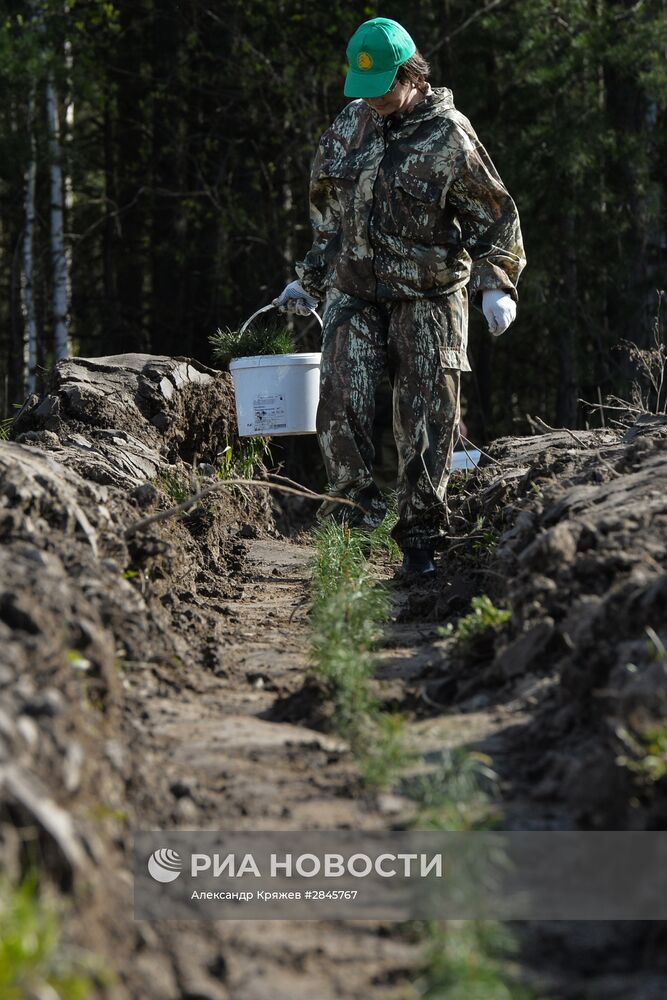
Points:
(453, 324)
(450, 358)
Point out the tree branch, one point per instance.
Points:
(164, 515)
(466, 24)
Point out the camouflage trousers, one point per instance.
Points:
(412, 341)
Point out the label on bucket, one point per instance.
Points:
(269, 413)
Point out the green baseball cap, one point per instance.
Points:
(375, 51)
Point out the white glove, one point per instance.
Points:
(499, 309)
(293, 299)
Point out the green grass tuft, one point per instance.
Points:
(176, 486)
(246, 460)
(646, 755)
(484, 618)
(32, 955)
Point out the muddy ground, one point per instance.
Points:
(159, 678)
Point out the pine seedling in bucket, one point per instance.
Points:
(276, 390)
(269, 337)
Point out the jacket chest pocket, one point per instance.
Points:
(413, 208)
(345, 177)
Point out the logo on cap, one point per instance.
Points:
(364, 60)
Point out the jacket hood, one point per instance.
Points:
(433, 105)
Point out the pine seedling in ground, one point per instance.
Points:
(381, 749)
(345, 620)
(469, 960)
(380, 539)
(347, 612)
(462, 959)
(340, 559)
(456, 795)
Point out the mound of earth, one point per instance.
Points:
(568, 530)
(89, 602)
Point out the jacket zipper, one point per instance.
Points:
(372, 211)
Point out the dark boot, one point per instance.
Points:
(368, 516)
(418, 563)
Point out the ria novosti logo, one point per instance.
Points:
(165, 865)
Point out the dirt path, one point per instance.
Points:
(232, 750)
(225, 764)
(215, 739)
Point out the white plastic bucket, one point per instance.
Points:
(465, 459)
(276, 393)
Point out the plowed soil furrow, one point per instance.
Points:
(235, 750)
(154, 675)
(225, 764)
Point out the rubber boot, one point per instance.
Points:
(418, 563)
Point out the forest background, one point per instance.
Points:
(155, 154)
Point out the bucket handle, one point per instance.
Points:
(272, 305)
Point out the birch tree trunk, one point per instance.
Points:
(58, 252)
(27, 278)
(67, 145)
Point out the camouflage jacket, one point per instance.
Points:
(409, 206)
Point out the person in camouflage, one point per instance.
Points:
(411, 221)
